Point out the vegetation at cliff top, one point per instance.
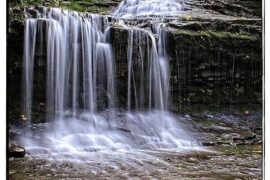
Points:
(94, 6)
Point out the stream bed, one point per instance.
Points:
(226, 146)
(242, 162)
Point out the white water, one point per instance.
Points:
(81, 87)
(136, 8)
(156, 86)
(76, 45)
(28, 65)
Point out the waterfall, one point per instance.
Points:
(28, 65)
(136, 8)
(155, 89)
(80, 61)
(157, 58)
(81, 80)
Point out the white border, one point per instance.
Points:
(3, 90)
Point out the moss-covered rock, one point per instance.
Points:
(92, 6)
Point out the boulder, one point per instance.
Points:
(16, 151)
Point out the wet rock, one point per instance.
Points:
(218, 128)
(192, 160)
(247, 134)
(16, 151)
(230, 136)
(228, 129)
(209, 143)
(246, 8)
(231, 139)
(169, 160)
(246, 113)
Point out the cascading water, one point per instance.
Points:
(156, 86)
(81, 81)
(28, 64)
(135, 8)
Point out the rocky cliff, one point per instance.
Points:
(215, 52)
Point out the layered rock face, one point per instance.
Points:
(216, 68)
(214, 49)
(215, 59)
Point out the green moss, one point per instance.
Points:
(39, 2)
(76, 5)
(221, 35)
(85, 6)
(241, 150)
(218, 34)
(188, 32)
